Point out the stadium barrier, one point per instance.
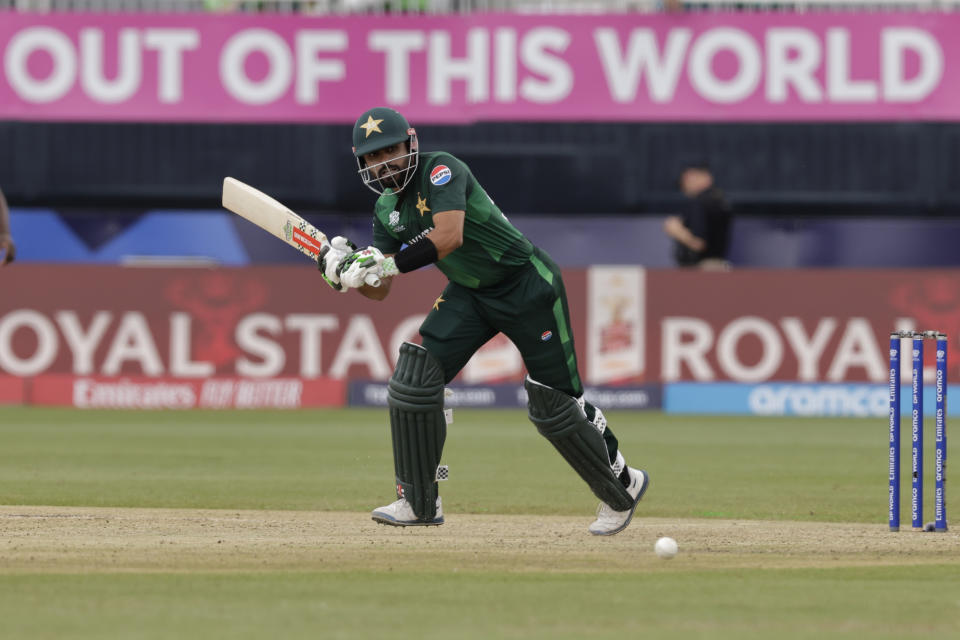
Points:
(795, 342)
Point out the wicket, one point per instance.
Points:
(940, 435)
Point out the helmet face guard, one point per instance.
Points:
(377, 129)
(396, 180)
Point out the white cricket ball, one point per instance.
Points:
(666, 548)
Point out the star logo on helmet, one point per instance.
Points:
(371, 126)
(436, 303)
(422, 205)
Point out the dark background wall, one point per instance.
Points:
(766, 169)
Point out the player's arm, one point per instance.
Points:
(447, 234)
(7, 249)
(673, 226)
(444, 239)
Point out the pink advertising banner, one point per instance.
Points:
(704, 67)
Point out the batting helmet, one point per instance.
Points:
(378, 128)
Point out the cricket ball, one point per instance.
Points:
(666, 548)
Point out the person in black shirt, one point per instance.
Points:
(7, 249)
(702, 233)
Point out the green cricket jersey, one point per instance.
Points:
(492, 247)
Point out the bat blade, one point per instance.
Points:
(272, 216)
(277, 219)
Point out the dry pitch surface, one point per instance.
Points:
(107, 540)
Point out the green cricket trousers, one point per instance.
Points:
(529, 307)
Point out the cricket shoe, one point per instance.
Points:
(608, 520)
(400, 514)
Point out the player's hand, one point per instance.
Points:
(8, 250)
(330, 258)
(360, 268)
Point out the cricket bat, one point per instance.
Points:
(273, 217)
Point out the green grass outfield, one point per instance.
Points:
(367, 581)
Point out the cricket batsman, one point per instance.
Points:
(431, 210)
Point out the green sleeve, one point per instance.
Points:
(382, 239)
(449, 195)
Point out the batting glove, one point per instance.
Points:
(361, 267)
(330, 258)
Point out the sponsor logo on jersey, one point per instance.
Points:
(441, 174)
(546, 335)
(417, 238)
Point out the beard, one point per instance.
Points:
(391, 177)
